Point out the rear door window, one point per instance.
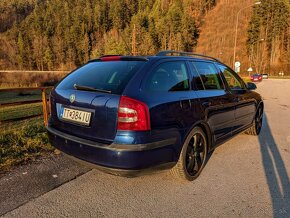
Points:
(169, 77)
(112, 76)
(207, 77)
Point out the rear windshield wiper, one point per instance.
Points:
(88, 88)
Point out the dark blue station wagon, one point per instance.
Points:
(128, 114)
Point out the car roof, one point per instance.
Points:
(161, 55)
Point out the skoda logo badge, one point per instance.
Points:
(72, 98)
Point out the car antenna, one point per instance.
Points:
(126, 44)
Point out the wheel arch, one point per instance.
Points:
(260, 104)
(207, 131)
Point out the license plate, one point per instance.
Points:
(76, 116)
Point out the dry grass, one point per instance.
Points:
(246, 79)
(20, 111)
(28, 79)
(25, 143)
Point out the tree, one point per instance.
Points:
(270, 22)
(60, 34)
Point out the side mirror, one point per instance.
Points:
(251, 86)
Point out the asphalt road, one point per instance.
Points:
(248, 177)
(29, 181)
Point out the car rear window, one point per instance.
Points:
(111, 76)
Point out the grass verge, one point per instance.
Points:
(279, 77)
(246, 79)
(22, 142)
(19, 111)
(12, 97)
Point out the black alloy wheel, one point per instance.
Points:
(259, 120)
(193, 156)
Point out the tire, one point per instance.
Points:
(255, 129)
(192, 156)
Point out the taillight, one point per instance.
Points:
(111, 58)
(133, 115)
(260, 77)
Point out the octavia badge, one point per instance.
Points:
(72, 98)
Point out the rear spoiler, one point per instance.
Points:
(119, 58)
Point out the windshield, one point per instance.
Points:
(110, 76)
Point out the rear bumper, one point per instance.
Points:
(123, 159)
(256, 80)
(124, 172)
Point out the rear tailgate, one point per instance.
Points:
(102, 107)
(97, 107)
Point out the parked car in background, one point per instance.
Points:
(256, 78)
(265, 76)
(129, 114)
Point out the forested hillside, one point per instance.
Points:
(63, 34)
(263, 35)
(268, 44)
(217, 35)
(57, 34)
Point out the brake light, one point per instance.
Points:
(133, 115)
(111, 58)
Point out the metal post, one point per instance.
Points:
(236, 37)
(236, 30)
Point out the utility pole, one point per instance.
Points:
(236, 29)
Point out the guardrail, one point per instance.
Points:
(44, 100)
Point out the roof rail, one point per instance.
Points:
(182, 53)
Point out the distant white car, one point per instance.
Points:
(265, 76)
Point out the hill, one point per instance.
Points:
(263, 35)
(61, 35)
(57, 34)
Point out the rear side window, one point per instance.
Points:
(168, 77)
(233, 80)
(112, 76)
(196, 79)
(208, 77)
